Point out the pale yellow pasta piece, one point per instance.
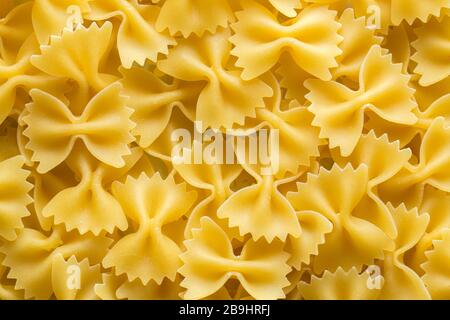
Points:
(261, 210)
(94, 209)
(209, 262)
(153, 101)
(64, 57)
(225, 99)
(311, 39)
(355, 217)
(103, 127)
(148, 253)
(339, 111)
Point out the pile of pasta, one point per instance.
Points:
(92, 90)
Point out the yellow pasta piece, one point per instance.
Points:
(339, 110)
(149, 254)
(209, 262)
(311, 38)
(53, 129)
(205, 59)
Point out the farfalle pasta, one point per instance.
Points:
(226, 150)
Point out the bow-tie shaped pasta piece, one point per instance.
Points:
(194, 16)
(216, 179)
(437, 204)
(437, 268)
(311, 39)
(14, 196)
(225, 99)
(339, 111)
(50, 17)
(32, 250)
(149, 254)
(341, 196)
(432, 51)
(340, 285)
(74, 280)
(103, 127)
(260, 209)
(137, 39)
(65, 57)
(93, 208)
(401, 282)
(407, 185)
(384, 159)
(358, 39)
(209, 262)
(153, 101)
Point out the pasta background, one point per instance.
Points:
(94, 206)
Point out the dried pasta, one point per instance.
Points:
(221, 149)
